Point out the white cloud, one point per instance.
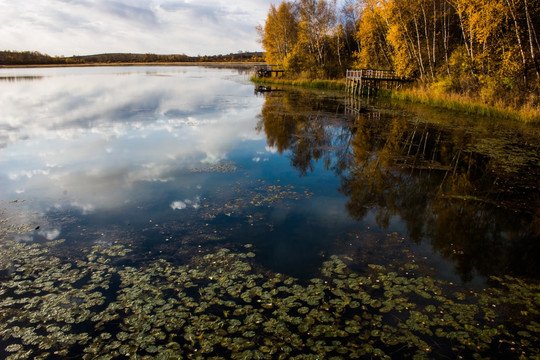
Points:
(91, 145)
(181, 205)
(178, 205)
(68, 27)
(50, 234)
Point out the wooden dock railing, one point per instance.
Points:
(269, 70)
(372, 74)
(366, 81)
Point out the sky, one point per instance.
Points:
(84, 27)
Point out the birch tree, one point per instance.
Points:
(280, 33)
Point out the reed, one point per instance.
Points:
(458, 102)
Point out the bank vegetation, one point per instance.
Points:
(476, 52)
(25, 58)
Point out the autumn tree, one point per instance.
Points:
(344, 44)
(487, 49)
(280, 32)
(317, 18)
(306, 38)
(372, 30)
(496, 39)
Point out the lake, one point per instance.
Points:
(183, 212)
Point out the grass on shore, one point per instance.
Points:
(456, 102)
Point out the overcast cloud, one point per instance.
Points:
(82, 27)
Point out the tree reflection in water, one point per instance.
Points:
(470, 189)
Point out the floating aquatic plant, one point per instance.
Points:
(219, 307)
(262, 196)
(221, 166)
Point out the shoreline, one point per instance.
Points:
(187, 63)
(320, 84)
(526, 116)
(453, 103)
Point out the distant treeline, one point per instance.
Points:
(36, 58)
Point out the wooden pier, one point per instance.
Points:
(367, 82)
(263, 71)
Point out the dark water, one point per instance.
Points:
(175, 162)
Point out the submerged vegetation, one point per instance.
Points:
(481, 54)
(218, 306)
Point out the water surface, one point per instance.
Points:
(155, 165)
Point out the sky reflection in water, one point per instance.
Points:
(173, 158)
(93, 136)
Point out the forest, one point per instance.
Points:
(486, 50)
(37, 58)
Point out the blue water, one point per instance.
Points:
(174, 161)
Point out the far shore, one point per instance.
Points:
(208, 64)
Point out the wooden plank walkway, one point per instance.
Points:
(368, 81)
(269, 70)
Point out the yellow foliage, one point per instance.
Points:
(469, 49)
(280, 33)
(371, 37)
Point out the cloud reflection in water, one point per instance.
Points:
(87, 136)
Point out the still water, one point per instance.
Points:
(215, 194)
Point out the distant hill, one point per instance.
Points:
(36, 58)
